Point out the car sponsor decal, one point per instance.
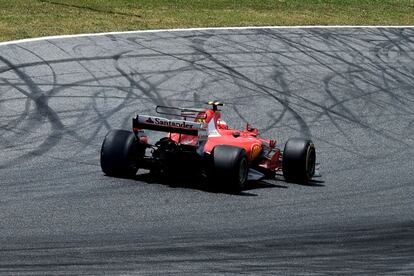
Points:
(255, 150)
(149, 121)
(169, 123)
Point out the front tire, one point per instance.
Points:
(230, 167)
(119, 153)
(298, 161)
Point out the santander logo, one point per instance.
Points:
(163, 122)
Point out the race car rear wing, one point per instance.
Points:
(167, 125)
(192, 112)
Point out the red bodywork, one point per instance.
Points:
(262, 153)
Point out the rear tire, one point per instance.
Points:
(119, 153)
(230, 167)
(298, 162)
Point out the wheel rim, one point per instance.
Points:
(243, 171)
(310, 162)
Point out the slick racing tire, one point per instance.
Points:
(230, 167)
(298, 160)
(119, 153)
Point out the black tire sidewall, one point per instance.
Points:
(118, 153)
(298, 161)
(227, 162)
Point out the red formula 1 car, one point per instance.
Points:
(201, 142)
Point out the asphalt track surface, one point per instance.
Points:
(349, 89)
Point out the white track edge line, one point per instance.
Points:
(199, 29)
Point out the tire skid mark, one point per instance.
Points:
(351, 117)
(76, 233)
(94, 78)
(234, 74)
(36, 95)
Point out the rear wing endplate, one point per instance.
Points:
(167, 125)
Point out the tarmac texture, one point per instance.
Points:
(351, 90)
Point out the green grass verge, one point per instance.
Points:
(33, 18)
